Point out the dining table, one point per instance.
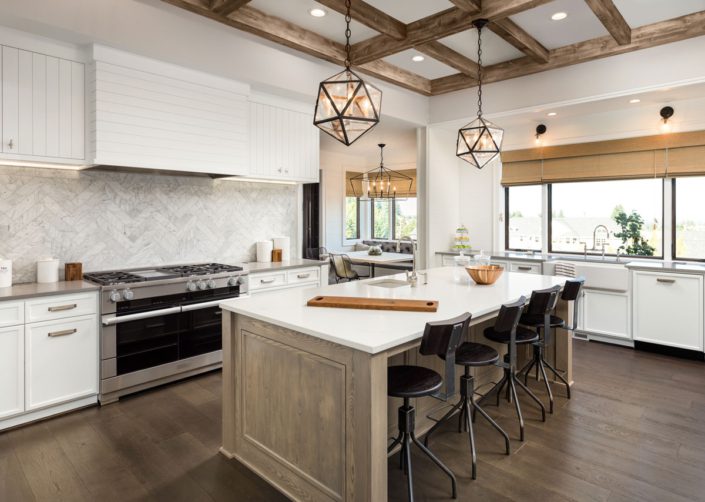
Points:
(386, 258)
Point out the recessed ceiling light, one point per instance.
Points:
(558, 16)
(551, 114)
(316, 12)
(418, 58)
(635, 100)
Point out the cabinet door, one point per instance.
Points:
(523, 267)
(668, 309)
(11, 371)
(61, 361)
(605, 313)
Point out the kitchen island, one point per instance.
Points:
(305, 388)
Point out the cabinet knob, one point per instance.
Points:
(11, 144)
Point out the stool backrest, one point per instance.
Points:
(342, 265)
(543, 301)
(441, 338)
(571, 293)
(507, 322)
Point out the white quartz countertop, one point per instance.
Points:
(255, 266)
(375, 331)
(32, 289)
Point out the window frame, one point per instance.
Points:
(506, 221)
(674, 256)
(578, 253)
(392, 221)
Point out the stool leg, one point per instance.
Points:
(445, 418)
(533, 396)
(493, 424)
(407, 458)
(518, 408)
(396, 441)
(437, 462)
(548, 385)
(560, 377)
(471, 436)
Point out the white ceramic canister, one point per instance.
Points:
(48, 270)
(5, 273)
(264, 251)
(283, 243)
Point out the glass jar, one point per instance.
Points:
(459, 273)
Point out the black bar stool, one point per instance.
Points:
(506, 330)
(406, 382)
(538, 315)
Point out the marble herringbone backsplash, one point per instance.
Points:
(109, 220)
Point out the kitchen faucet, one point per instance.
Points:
(594, 239)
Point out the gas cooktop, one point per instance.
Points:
(113, 277)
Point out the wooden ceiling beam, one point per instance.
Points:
(448, 56)
(437, 26)
(370, 16)
(664, 32)
(290, 35)
(612, 20)
(227, 7)
(471, 6)
(516, 36)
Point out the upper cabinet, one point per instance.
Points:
(284, 143)
(150, 114)
(43, 107)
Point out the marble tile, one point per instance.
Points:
(109, 220)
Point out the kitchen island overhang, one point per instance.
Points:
(305, 389)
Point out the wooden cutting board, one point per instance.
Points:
(352, 302)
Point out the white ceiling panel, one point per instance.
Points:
(428, 68)
(331, 26)
(640, 12)
(494, 49)
(407, 11)
(580, 25)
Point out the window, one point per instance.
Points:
(352, 218)
(523, 222)
(624, 214)
(405, 218)
(689, 218)
(381, 220)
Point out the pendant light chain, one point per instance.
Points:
(348, 19)
(479, 71)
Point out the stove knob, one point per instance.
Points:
(234, 281)
(191, 286)
(210, 283)
(115, 296)
(128, 294)
(201, 285)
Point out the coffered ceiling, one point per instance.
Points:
(521, 39)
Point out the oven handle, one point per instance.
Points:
(112, 320)
(205, 305)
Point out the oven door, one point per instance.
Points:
(143, 340)
(203, 328)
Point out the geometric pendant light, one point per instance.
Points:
(480, 141)
(381, 182)
(347, 107)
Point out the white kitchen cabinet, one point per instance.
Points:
(668, 309)
(604, 313)
(284, 143)
(525, 267)
(11, 313)
(61, 361)
(43, 102)
(11, 371)
(303, 277)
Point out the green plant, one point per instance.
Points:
(632, 240)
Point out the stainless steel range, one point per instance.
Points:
(161, 324)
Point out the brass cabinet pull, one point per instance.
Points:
(524, 268)
(266, 281)
(665, 281)
(304, 276)
(63, 333)
(62, 307)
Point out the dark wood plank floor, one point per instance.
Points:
(634, 431)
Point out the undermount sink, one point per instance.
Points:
(389, 283)
(603, 275)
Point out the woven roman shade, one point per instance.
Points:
(401, 190)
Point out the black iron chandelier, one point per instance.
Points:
(479, 141)
(380, 182)
(347, 107)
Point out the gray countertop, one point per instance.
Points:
(33, 289)
(254, 266)
(668, 266)
(539, 257)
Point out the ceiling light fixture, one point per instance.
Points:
(380, 182)
(559, 16)
(551, 114)
(634, 101)
(347, 107)
(540, 131)
(480, 141)
(418, 58)
(317, 12)
(666, 113)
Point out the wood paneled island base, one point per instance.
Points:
(311, 414)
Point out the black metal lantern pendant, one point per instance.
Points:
(347, 107)
(480, 141)
(380, 182)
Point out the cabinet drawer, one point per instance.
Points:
(527, 268)
(267, 281)
(60, 307)
(11, 313)
(304, 275)
(61, 361)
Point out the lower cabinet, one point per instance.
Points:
(61, 362)
(604, 313)
(668, 309)
(11, 371)
(263, 282)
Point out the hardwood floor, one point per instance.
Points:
(633, 431)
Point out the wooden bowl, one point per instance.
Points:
(485, 274)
